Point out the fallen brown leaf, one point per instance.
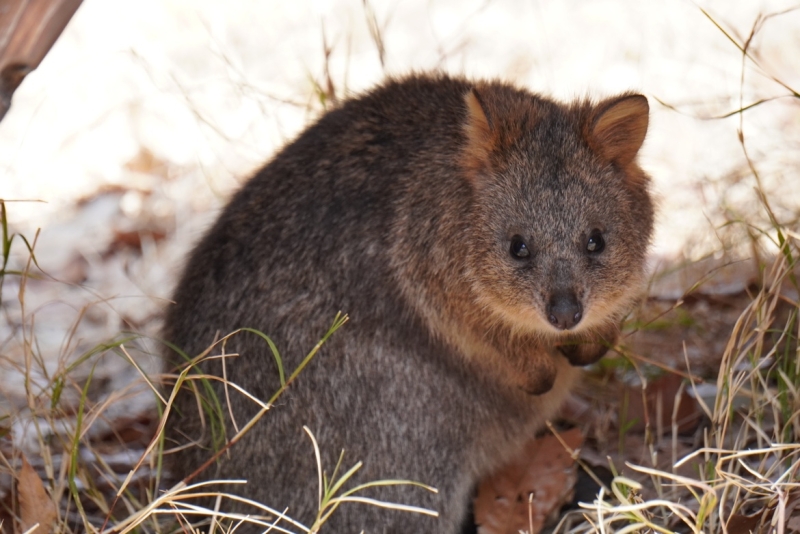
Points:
(745, 524)
(545, 471)
(35, 505)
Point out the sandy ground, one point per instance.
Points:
(145, 115)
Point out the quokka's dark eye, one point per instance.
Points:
(596, 243)
(519, 249)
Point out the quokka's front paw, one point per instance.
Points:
(537, 375)
(586, 349)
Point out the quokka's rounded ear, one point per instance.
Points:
(479, 131)
(617, 127)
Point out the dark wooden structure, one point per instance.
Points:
(28, 28)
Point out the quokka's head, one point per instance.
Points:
(561, 216)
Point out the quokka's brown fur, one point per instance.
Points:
(483, 240)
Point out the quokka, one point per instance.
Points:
(484, 241)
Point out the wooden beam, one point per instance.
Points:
(28, 28)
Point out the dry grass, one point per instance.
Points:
(103, 484)
(745, 471)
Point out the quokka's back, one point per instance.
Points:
(483, 240)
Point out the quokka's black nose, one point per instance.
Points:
(564, 310)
